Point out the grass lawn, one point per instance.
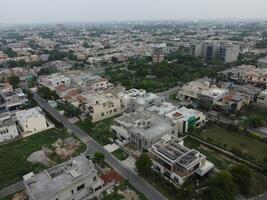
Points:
(255, 150)
(253, 111)
(120, 154)
(13, 162)
(98, 131)
(258, 182)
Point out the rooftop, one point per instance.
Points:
(59, 177)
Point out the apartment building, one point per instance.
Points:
(8, 130)
(54, 80)
(75, 179)
(262, 98)
(176, 162)
(133, 100)
(227, 52)
(32, 121)
(185, 119)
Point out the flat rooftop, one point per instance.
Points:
(59, 177)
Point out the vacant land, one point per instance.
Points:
(252, 149)
(120, 154)
(99, 131)
(13, 162)
(221, 162)
(252, 111)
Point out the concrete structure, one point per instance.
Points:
(54, 80)
(32, 121)
(8, 130)
(101, 106)
(185, 119)
(201, 89)
(262, 98)
(263, 61)
(228, 53)
(12, 99)
(158, 55)
(133, 100)
(142, 128)
(75, 179)
(176, 162)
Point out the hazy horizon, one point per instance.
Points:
(64, 11)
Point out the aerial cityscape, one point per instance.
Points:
(144, 100)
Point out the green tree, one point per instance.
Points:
(221, 186)
(47, 94)
(242, 177)
(143, 164)
(99, 157)
(14, 81)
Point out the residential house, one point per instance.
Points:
(32, 121)
(8, 130)
(54, 80)
(75, 179)
(176, 162)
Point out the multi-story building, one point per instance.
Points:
(185, 119)
(32, 121)
(134, 99)
(228, 53)
(142, 128)
(12, 99)
(101, 106)
(176, 162)
(158, 55)
(202, 89)
(8, 130)
(54, 80)
(75, 179)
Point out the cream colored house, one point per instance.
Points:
(32, 121)
(102, 106)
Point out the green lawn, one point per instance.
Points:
(253, 111)
(258, 182)
(98, 131)
(13, 162)
(251, 148)
(120, 154)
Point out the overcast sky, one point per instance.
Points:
(42, 11)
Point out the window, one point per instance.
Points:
(72, 191)
(102, 114)
(80, 187)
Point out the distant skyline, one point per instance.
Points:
(60, 11)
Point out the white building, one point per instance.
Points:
(177, 162)
(8, 130)
(185, 119)
(75, 179)
(32, 121)
(133, 100)
(54, 80)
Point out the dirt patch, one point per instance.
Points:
(20, 196)
(59, 150)
(129, 194)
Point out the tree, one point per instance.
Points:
(242, 177)
(143, 164)
(14, 81)
(47, 94)
(221, 186)
(99, 157)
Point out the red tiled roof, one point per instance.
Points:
(112, 175)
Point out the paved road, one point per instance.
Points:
(19, 186)
(93, 146)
